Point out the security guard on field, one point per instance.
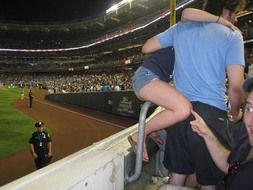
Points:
(41, 146)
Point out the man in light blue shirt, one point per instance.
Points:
(204, 53)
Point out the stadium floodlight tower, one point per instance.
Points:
(116, 7)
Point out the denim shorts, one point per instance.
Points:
(142, 76)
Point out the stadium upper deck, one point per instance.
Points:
(62, 34)
(108, 45)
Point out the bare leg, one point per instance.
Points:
(177, 179)
(191, 181)
(177, 107)
(210, 187)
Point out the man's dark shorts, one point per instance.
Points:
(186, 151)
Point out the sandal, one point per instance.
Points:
(155, 136)
(134, 147)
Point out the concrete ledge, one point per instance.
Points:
(97, 170)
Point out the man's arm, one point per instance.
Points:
(217, 151)
(33, 152)
(49, 149)
(197, 15)
(188, 14)
(235, 92)
(151, 45)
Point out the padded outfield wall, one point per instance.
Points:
(124, 103)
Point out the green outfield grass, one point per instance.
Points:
(15, 126)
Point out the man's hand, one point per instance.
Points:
(35, 155)
(49, 154)
(199, 125)
(236, 118)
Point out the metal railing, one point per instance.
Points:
(140, 143)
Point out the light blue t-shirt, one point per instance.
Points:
(202, 53)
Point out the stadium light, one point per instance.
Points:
(117, 6)
(125, 32)
(112, 9)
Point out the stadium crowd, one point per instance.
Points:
(71, 83)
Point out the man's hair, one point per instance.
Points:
(250, 89)
(216, 6)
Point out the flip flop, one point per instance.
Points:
(134, 147)
(155, 136)
(132, 143)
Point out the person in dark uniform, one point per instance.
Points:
(30, 99)
(41, 146)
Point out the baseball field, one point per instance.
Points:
(72, 129)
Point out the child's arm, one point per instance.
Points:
(191, 14)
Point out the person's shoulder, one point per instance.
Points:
(45, 132)
(226, 34)
(240, 146)
(232, 34)
(243, 179)
(34, 134)
(190, 24)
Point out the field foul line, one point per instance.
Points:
(74, 112)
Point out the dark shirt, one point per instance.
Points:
(30, 96)
(161, 63)
(40, 142)
(240, 151)
(241, 169)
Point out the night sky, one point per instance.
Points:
(51, 10)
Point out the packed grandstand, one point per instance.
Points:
(97, 54)
(81, 50)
